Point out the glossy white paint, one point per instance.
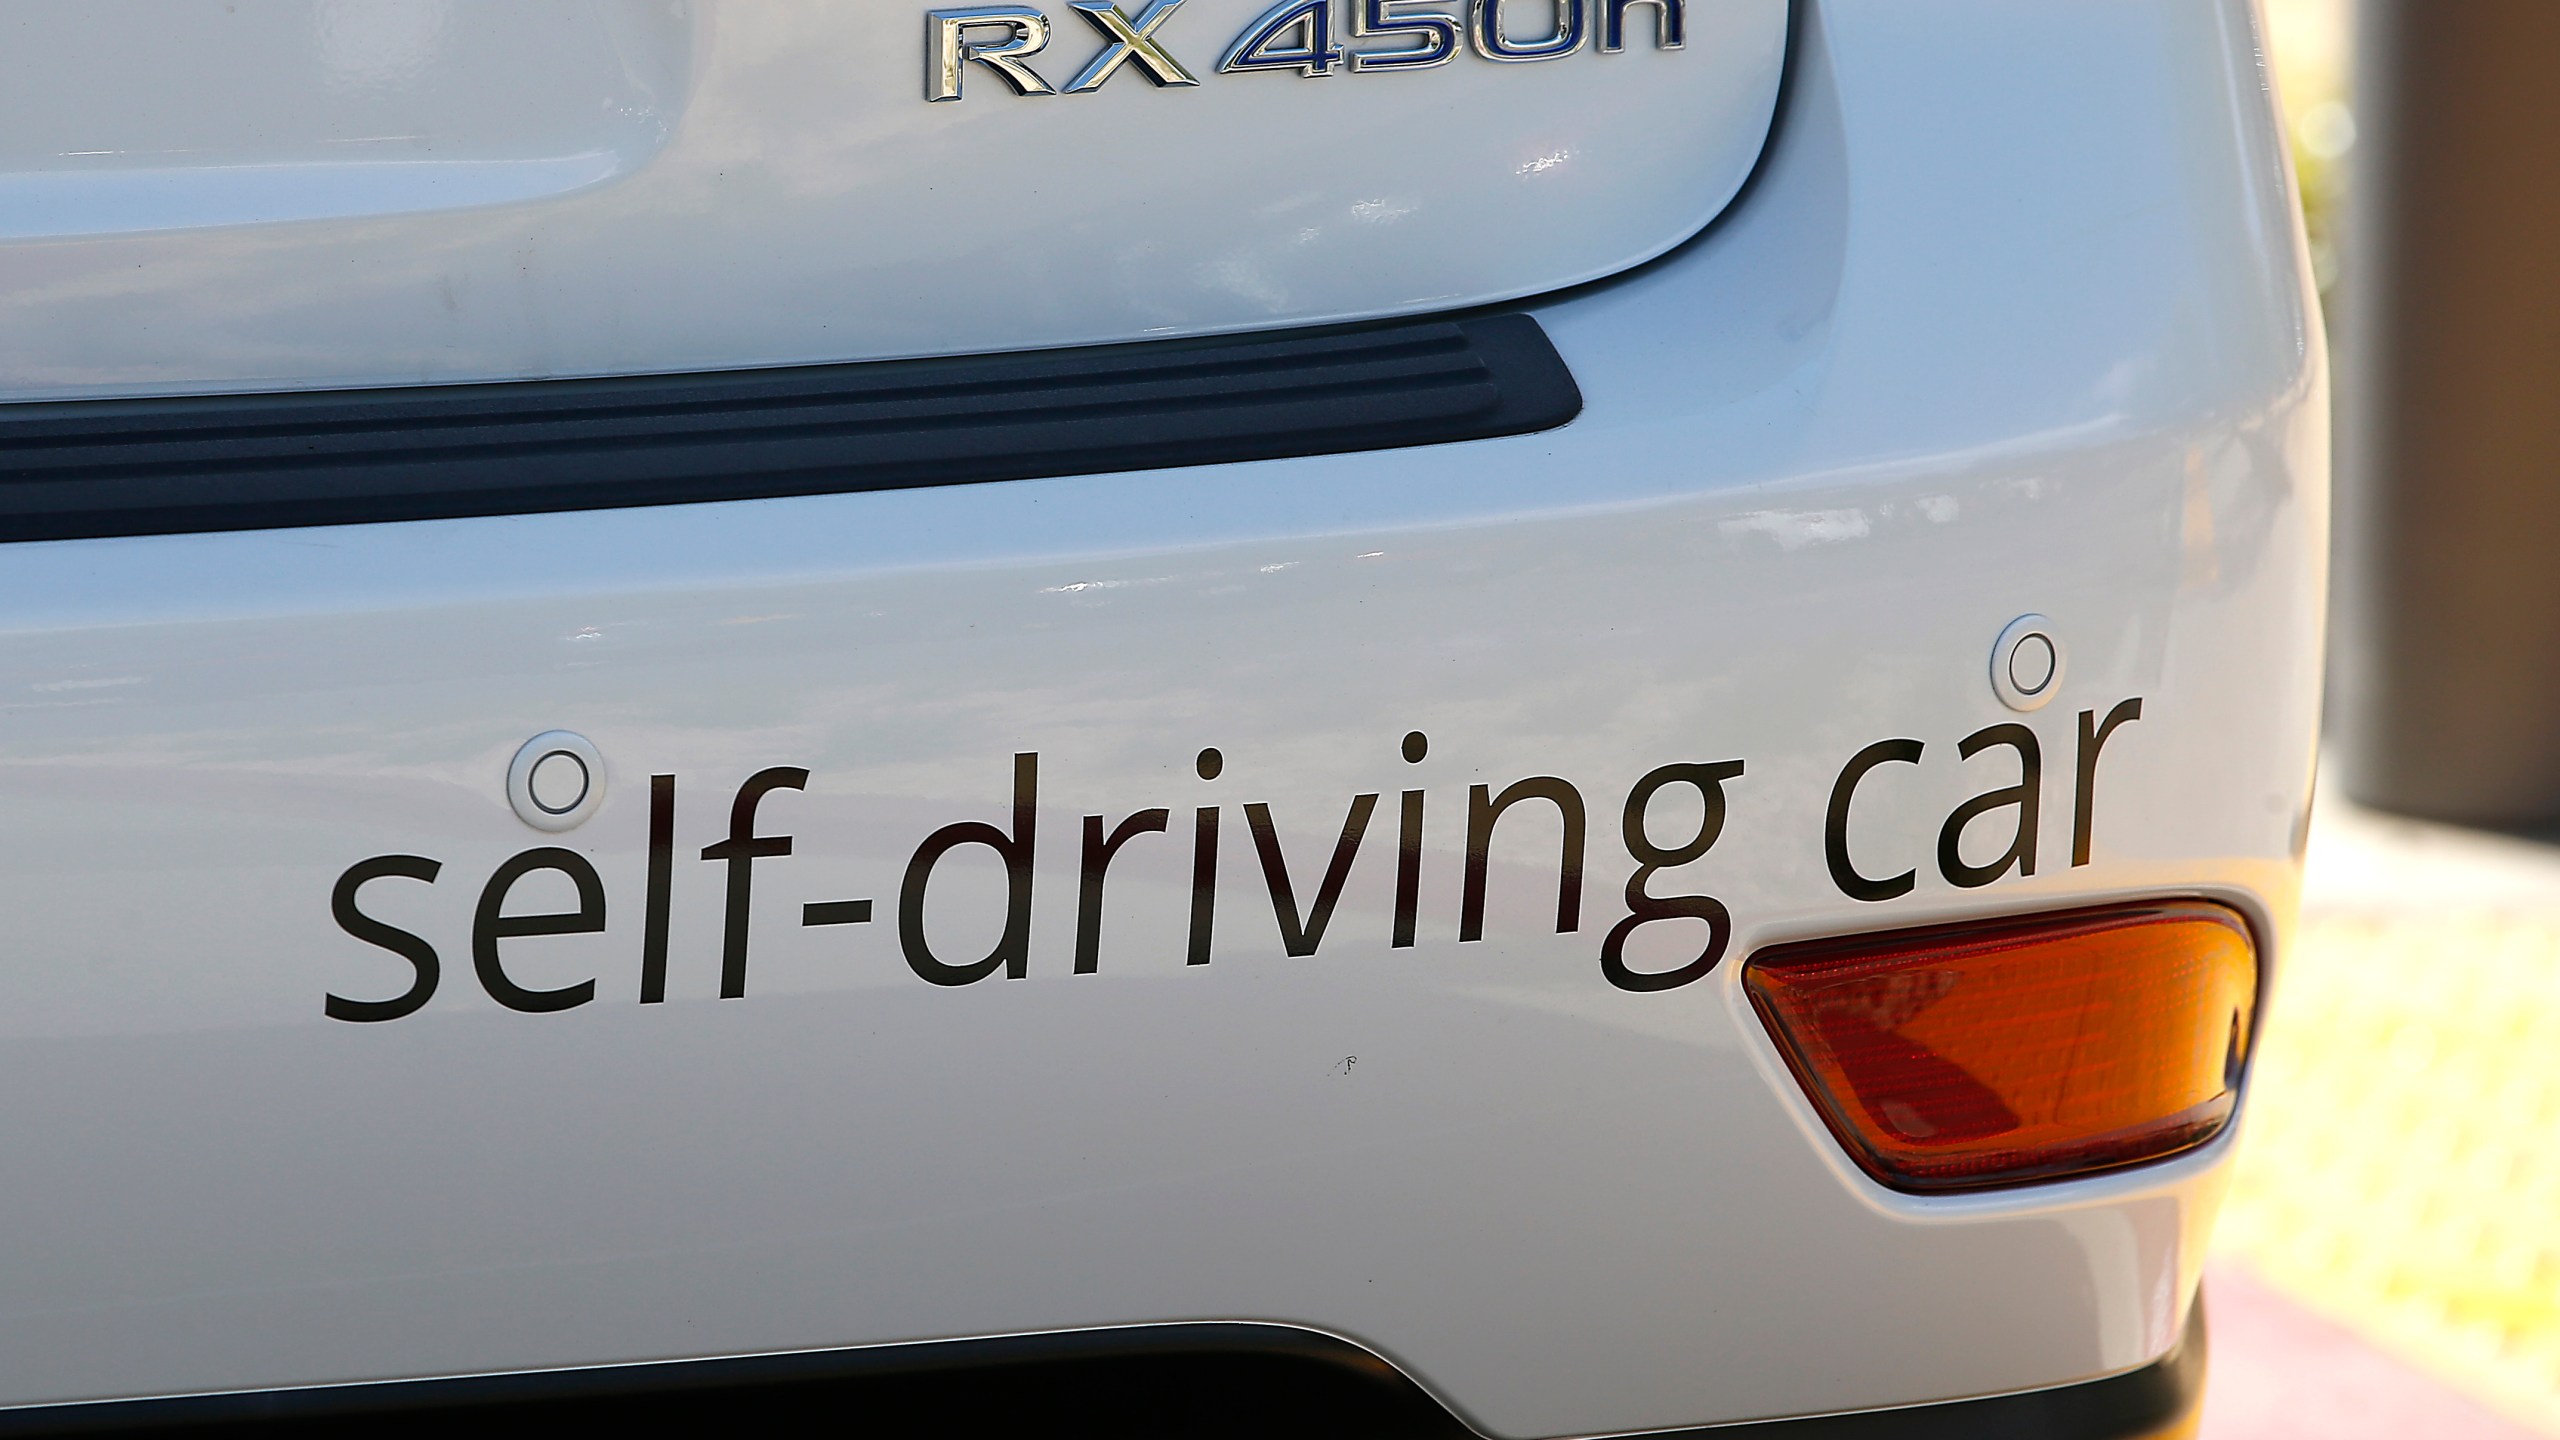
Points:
(495, 189)
(133, 117)
(2014, 321)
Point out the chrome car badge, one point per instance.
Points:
(1293, 35)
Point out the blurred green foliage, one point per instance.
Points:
(2309, 42)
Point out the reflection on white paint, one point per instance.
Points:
(1795, 529)
(121, 117)
(114, 202)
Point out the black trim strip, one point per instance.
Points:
(137, 467)
(1223, 1379)
(1187, 1379)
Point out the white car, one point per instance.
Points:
(1542, 717)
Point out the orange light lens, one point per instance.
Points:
(2028, 1049)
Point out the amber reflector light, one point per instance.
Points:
(2028, 1049)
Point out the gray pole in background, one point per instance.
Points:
(2445, 692)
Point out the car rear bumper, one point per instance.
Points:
(1923, 379)
(1244, 1381)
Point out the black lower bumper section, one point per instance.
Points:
(1168, 1380)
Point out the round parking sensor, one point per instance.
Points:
(2026, 663)
(556, 780)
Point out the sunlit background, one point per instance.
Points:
(2389, 1263)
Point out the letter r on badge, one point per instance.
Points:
(948, 46)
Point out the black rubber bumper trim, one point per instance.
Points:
(1198, 1379)
(139, 467)
(1176, 1379)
